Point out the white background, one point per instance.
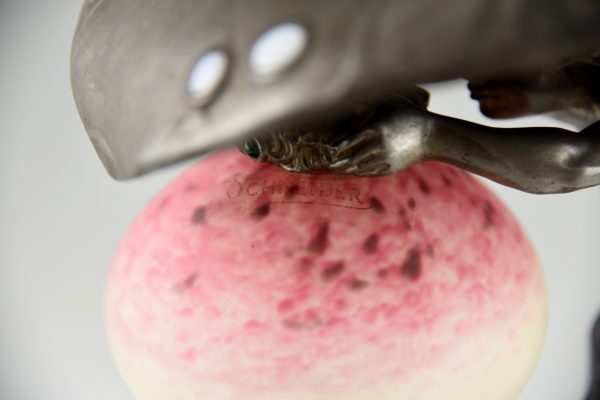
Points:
(61, 217)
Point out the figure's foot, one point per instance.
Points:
(501, 99)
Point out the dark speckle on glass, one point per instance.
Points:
(371, 243)
(332, 271)
(357, 284)
(412, 203)
(199, 215)
(376, 205)
(261, 211)
(319, 242)
(424, 187)
(411, 267)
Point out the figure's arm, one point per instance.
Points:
(535, 160)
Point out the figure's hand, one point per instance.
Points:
(364, 153)
(395, 139)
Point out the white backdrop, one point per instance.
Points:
(61, 217)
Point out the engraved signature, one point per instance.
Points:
(302, 190)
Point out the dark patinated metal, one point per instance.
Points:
(594, 393)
